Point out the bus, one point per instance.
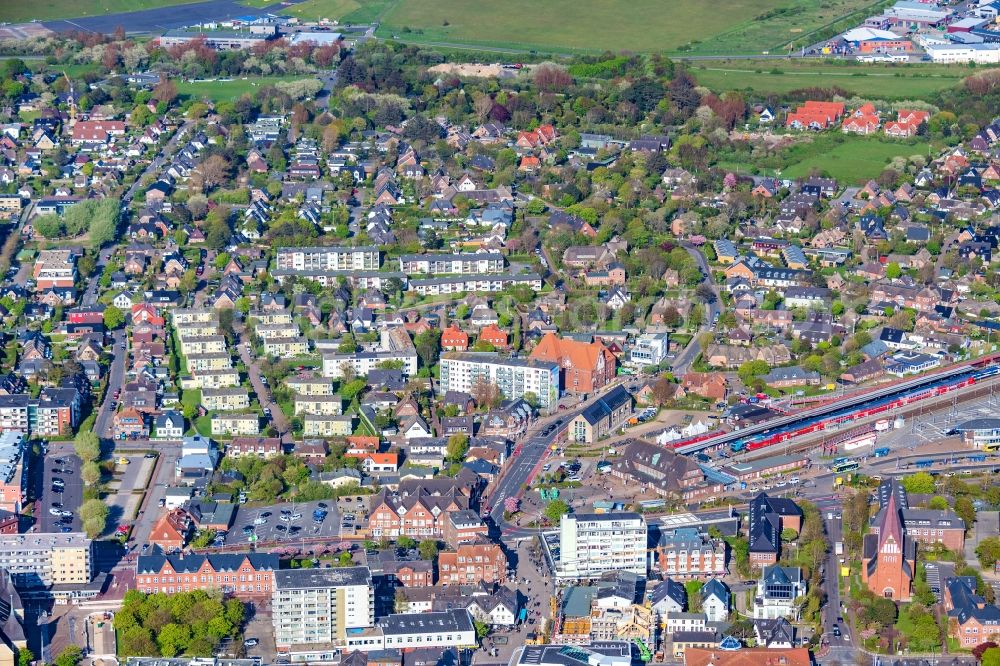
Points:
(991, 446)
(924, 464)
(882, 452)
(846, 466)
(837, 461)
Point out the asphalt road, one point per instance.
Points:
(72, 495)
(686, 357)
(116, 380)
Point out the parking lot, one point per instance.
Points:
(285, 523)
(934, 427)
(60, 464)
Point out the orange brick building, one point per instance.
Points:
(471, 563)
(889, 558)
(242, 575)
(583, 367)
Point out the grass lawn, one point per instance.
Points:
(346, 11)
(228, 90)
(879, 81)
(737, 26)
(22, 12)
(854, 160)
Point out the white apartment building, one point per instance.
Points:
(464, 263)
(591, 544)
(395, 345)
(515, 377)
(329, 258)
(650, 349)
(43, 559)
(319, 606)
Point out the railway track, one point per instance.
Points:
(923, 408)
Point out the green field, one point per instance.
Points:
(18, 11)
(218, 91)
(880, 81)
(740, 26)
(346, 11)
(855, 160)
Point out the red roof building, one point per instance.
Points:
(454, 339)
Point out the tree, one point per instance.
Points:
(486, 394)
(938, 503)
(90, 473)
(113, 317)
(214, 171)
(458, 446)
(428, 549)
(988, 552)
(991, 657)
(87, 446)
(406, 543)
(482, 629)
(893, 271)
(49, 226)
(165, 91)
(555, 510)
(920, 483)
(705, 293)
(70, 656)
(428, 346)
(25, 657)
(966, 511)
(663, 391)
(978, 651)
(750, 370)
(94, 514)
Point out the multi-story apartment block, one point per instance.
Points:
(394, 345)
(243, 575)
(418, 515)
(319, 425)
(307, 385)
(592, 543)
(203, 344)
(460, 264)
(285, 347)
(329, 258)
(40, 559)
(184, 316)
(14, 412)
(213, 379)
(778, 591)
(474, 282)
(196, 329)
(54, 268)
(471, 563)
(515, 377)
(686, 553)
(649, 349)
(320, 606)
(200, 362)
(262, 447)
(225, 399)
(55, 412)
(326, 405)
(236, 424)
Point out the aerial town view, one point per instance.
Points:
(481, 333)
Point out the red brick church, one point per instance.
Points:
(889, 557)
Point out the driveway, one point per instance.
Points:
(263, 392)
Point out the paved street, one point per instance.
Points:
(686, 357)
(116, 379)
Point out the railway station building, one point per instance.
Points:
(981, 433)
